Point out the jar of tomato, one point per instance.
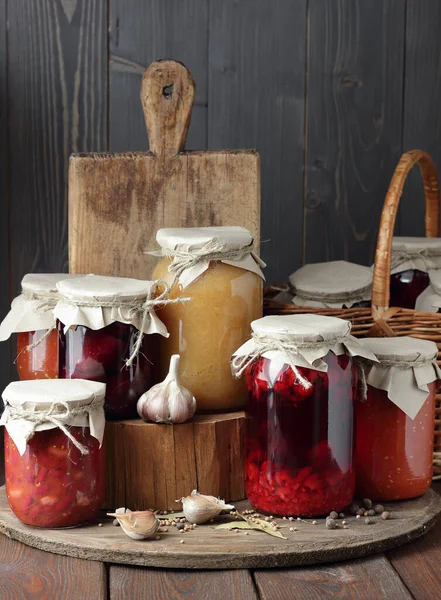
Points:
(107, 322)
(395, 424)
(336, 284)
(412, 259)
(302, 381)
(218, 270)
(54, 459)
(39, 340)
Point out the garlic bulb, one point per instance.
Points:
(138, 525)
(168, 401)
(199, 509)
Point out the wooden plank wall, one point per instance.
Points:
(329, 91)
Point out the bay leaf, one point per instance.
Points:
(248, 524)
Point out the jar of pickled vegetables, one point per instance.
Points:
(430, 299)
(412, 259)
(336, 284)
(39, 340)
(217, 269)
(302, 382)
(395, 423)
(54, 458)
(107, 322)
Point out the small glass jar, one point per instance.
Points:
(336, 284)
(395, 426)
(299, 427)
(225, 296)
(102, 318)
(50, 482)
(411, 260)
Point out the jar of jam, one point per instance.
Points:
(336, 284)
(412, 259)
(430, 299)
(54, 458)
(395, 423)
(39, 340)
(107, 322)
(302, 382)
(217, 269)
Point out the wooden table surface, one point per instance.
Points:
(412, 571)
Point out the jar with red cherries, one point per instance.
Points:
(411, 261)
(302, 383)
(107, 324)
(54, 457)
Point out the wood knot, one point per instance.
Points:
(167, 91)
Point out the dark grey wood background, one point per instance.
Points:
(329, 91)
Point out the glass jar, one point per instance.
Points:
(406, 286)
(395, 426)
(299, 427)
(50, 482)
(430, 299)
(224, 298)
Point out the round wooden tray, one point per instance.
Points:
(207, 548)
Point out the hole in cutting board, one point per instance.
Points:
(167, 91)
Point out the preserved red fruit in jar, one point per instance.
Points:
(406, 286)
(394, 426)
(54, 479)
(299, 428)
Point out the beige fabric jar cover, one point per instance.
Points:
(43, 404)
(331, 285)
(419, 253)
(193, 248)
(430, 299)
(404, 369)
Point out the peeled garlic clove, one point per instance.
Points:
(138, 525)
(168, 401)
(199, 508)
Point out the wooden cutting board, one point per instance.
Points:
(117, 202)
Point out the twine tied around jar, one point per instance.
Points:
(58, 414)
(400, 257)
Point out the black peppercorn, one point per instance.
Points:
(333, 515)
(379, 508)
(354, 508)
(369, 521)
(371, 513)
(385, 515)
(331, 524)
(367, 503)
(360, 512)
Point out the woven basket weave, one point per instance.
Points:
(380, 320)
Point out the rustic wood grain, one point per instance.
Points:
(355, 81)
(126, 582)
(370, 578)
(256, 99)
(29, 574)
(207, 548)
(57, 54)
(205, 454)
(422, 93)
(141, 32)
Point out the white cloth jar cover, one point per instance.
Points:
(419, 253)
(299, 341)
(32, 309)
(192, 249)
(43, 404)
(430, 299)
(404, 369)
(332, 284)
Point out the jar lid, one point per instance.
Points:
(301, 328)
(43, 282)
(402, 349)
(332, 284)
(435, 279)
(191, 238)
(39, 393)
(419, 253)
(101, 287)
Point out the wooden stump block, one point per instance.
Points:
(151, 465)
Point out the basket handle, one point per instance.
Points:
(381, 280)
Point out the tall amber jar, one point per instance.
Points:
(224, 286)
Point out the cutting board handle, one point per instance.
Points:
(167, 96)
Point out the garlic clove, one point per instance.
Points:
(138, 525)
(168, 401)
(199, 508)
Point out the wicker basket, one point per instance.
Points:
(380, 320)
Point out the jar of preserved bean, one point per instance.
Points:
(39, 340)
(395, 423)
(302, 382)
(412, 259)
(54, 458)
(107, 322)
(216, 268)
(336, 284)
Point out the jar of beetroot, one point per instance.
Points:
(411, 260)
(430, 299)
(395, 423)
(302, 382)
(54, 459)
(107, 324)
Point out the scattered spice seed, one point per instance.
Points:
(331, 523)
(354, 508)
(181, 541)
(158, 537)
(379, 508)
(299, 519)
(290, 518)
(100, 524)
(342, 515)
(358, 516)
(343, 523)
(385, 515)
(367, 503)
(360, 512)
(295, 529)
(371, 513)
(291, 528)
(345, 527)
(333, 514)
(180, 526)
(369, 521)
(314, 522)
